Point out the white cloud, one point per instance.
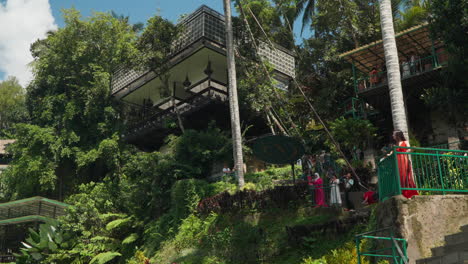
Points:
(21, 23)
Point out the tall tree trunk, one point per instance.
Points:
(233, 103)
(393, 68)
(176, 110)
(270, 124)
(278, 124)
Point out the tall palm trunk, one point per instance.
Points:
(233, 103)
(393, 68)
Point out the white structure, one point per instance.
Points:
(196, 75)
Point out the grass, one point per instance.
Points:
(252, 236)
(256, 238)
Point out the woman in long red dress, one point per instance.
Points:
(316, 184)
(404, 165)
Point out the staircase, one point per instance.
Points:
(455, 250)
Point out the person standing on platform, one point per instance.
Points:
(335, 196)
(370, 196)
(373, 77)
(316, 184)
(348, 182)
(404, 165)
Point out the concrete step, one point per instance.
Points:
(456, 239)
(464, 228)
(459, 257)
(444, 250)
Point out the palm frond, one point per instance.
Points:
(308, 13)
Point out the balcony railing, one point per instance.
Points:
(7, 258)
(353, 107)
(428, 170)
(357, 109)
(123, 77)
(203, 23)
(208, 25)
(202, 93)
(408, 69)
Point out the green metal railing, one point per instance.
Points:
(408, 69)
(389, 182)
(357, 109)
(432, 170)
(354, 107)
(396, 251)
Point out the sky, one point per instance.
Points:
(24, 21)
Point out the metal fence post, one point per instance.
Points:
(405, 250)
(396, 171)
(440, 172)
(357, 251)
(395, 259)
(380, 180)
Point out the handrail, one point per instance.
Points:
(382, 238)
(398, 254)
(424, 169)
(411, 69)
(436, 149)
(399, 251)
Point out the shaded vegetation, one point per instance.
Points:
(134, 207)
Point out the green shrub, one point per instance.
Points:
(249, 186)
(156, 232)
(185, 196)
(344, 255)
(212, 260)
(192, 230)
(219, 187)
(351, 133)
(147, 180)
(265, 179)
(309, 260)
(200, 149)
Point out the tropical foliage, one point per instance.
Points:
(139, 207)
(12, 106)
(448, 22)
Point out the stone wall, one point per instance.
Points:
(423, 221)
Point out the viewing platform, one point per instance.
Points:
(433, 170)
(420, 57)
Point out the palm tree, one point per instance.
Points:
(348, 12)
(307, 8)
(415, 13)
(137, 27)
(393, 68)
(233, 100)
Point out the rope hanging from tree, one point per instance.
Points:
(309, 103)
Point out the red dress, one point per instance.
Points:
(374, 78)
(406, 174)
(319, 194)
(369, 195)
